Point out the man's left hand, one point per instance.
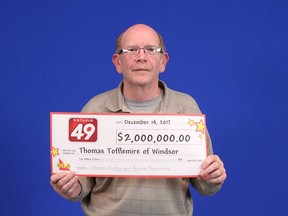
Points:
(213, 170)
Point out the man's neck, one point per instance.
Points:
(141, 93)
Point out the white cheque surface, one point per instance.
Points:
(127, 145)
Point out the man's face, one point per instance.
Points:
(140, 69)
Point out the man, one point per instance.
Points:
(140, 57)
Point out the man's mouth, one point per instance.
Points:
(140, 69)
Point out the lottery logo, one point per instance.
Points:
(82, 129)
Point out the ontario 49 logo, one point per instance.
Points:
(82, 129)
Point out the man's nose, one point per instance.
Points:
(141, 50)
(141, 54)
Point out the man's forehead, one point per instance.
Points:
(140, 35)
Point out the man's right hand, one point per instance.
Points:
(66, 184)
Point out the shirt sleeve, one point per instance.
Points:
(203, 187)
(87, 184)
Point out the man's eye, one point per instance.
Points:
(150, 49)
(132, 50)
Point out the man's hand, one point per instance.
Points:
(66, 184)
(213, 170)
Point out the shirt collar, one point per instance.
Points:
(169, 104)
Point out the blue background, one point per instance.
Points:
(231, 56)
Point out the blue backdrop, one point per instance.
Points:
(231, 56)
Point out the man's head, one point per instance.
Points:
(140, 56)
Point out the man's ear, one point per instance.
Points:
(117, 62)
(164, 60)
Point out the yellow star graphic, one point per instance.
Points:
(200, 126)
(191, 122)
(200, 136)
(55, 151)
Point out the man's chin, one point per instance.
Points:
(140, 81)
